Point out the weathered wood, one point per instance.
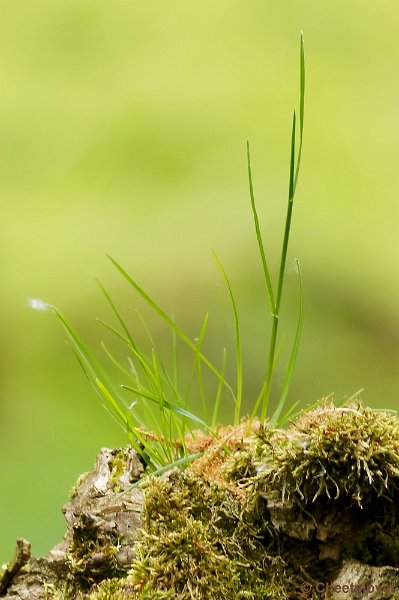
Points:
(96, 514)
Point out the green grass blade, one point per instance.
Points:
(197, 361)
(293, 177)
(117, 313)
(168, 405)
(162, 375)
(158, 453)
(175, 361)
(121, 368)
(195, 367)
(294, 354)
(301, 108)
(291, 191)
(114, 331)
(150, 420)
(91, 365)
(237, 411)
(111, 403)
(155, 365)
(144, 363)
(283, 260)
(286, 415)
(177, 463)
(169, 321)
(219, 392)
(269, 287)
(124, 370)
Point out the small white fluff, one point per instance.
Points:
(38, 304)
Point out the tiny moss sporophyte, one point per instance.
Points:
(150, 404)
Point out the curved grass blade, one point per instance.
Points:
(151, 419)
(169, 321)
(237, 411)
(177, 463)
(286, 415)
(92, 367)
(117, 313)
(270, 293)
(168, 405)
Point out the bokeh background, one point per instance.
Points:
(122, 129)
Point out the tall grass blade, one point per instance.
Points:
(293, 177)
(259, 239)
(197, 361)
(216, 404)
(293, 356)
(175, 358)
(91, 365)
(301, 107)
(237, 411)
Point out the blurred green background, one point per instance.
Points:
(122, 130)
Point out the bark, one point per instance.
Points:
(99, 520)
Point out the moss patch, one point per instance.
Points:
(292, 514)
(284, 510)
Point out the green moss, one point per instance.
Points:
(195, 545)
(51, 592)
(327, 487)
(349, 453)
(110, 589)
(279, 520)
(117, 468)
(289, 508)
(92, 554)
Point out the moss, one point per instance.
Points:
(110, 589)
(328, 487)
(51, 592)
(349, 453)
(117, 468)
(261, 514)
(194, 545)
(92, 554)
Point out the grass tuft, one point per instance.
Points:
(149, 404)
